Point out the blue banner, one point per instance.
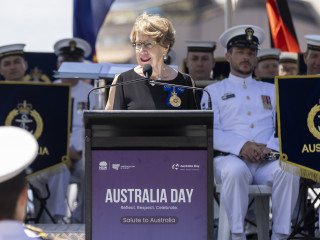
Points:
(88, 16)
(44, 110)
(298, 103)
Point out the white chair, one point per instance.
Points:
(261, 195)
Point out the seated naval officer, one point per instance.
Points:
(13, 65)
(312, 55)
(288, 64)
(75, 50)
(18, 150)
(244, 125)
(67, 50)
(268, 63)
(200, 59)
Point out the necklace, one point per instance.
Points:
(162, 75)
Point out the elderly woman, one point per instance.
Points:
(152, 37)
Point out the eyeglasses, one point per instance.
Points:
(148, 45)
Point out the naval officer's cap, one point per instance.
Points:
(270, 53)
(12, 50)
(313, 42)
(201, 46)
(288, 57)
(72, 47)
(18, 149)
(247, 36)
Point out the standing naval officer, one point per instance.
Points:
(244, 127)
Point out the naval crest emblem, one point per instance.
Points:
(26, 117)
(311, 121)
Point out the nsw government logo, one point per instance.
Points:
(103, 165)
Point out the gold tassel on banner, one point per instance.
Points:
(299, 170)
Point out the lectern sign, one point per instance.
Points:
(149, 194)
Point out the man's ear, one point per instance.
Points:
(213, 62)
(228, 56)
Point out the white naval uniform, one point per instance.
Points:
(240, 116)
(14, 230)
(58, 183)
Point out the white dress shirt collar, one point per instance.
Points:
(240, 80)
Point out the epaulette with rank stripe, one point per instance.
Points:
(40, 233)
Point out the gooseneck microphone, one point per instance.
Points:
(147, 71)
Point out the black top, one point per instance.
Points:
(144, 96)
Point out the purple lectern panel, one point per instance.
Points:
(149, 194)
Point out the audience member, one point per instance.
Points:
(312, 55)
(75, 50)
(18, 150)
(13, 65)
(244, 125)
(268, 63)
(200, 59)
(288, 64)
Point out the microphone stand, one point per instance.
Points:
(186, 87)
(113, 85)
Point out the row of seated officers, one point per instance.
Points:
(244, 109)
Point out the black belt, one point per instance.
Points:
(217, 153)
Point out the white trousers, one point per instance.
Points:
(58, 185)
(236, 175)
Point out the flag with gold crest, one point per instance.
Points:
(43, 110)
(298, 106)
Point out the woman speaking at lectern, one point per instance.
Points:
(152, 37)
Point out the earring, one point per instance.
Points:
(165, 57)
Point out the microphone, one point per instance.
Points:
(147, 71)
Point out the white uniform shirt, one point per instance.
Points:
(79, 94)
(14, 230)
(244, 110)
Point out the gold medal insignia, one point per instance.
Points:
(174, 99)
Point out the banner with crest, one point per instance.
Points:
(44, 110)
(298, 106)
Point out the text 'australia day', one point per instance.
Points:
(149, 196)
